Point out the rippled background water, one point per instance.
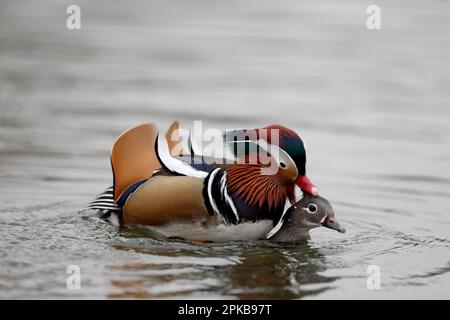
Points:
(373, 107)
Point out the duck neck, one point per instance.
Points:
(246, 182)
(292, 234)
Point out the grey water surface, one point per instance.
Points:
(372, 106)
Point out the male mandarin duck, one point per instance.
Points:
(157, 186)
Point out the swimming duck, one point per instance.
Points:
(308, 213)
(153, 186)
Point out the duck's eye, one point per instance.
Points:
(312, 208)
(283, 165)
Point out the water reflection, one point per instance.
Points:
(243, 270)
(278, 273)
(372, 106)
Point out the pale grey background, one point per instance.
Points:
(372, 106)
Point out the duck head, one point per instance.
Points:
(308, 213)
(289, 141)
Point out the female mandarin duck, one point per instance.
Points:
(155, 186)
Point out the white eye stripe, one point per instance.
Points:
(280, 155)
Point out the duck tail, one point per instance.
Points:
(105, 202)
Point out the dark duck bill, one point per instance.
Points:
(308, 213)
